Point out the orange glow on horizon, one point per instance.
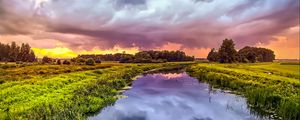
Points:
(64, 52)
(286, 45)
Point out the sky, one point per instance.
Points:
(66, 28)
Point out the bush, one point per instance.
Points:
(46, 59)
(90, 61)
(58, 62)
(80, 60)
(66, 62)
(126, 59)
(97, 60)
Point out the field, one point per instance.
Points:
(14, 72)
(63, 91)
(32, 91)
(268, 87)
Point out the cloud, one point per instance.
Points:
(130, 2)
(148, 24)
(19, 17)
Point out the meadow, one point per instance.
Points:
(64, 91)
(268, 87)
(36, 91)
(19, 72)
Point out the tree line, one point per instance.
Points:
(228, 54)
(13, 53)
(150, 56)
(103, 57)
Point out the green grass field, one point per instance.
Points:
(268, 87)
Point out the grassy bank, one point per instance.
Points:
(65, 95)
(268, 87)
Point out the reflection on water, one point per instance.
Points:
(175, 97)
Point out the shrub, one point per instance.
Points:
(97, 60)
(73, 60)
(46, 59)
(66, 62)
(58, 62)
(90, 61)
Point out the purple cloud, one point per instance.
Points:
(149, 24)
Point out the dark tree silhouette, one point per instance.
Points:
(246, 54)
(213, 56)
(13, 53)
(254, 54)
(227, 53)
(47, 59)
(58, 62)
(66, 62)
(142, 57)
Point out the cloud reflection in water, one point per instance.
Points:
(175, 97)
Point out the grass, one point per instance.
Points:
(268, 87)
(32, 91)
(14, 72)
(66, 94)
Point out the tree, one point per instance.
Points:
(247, 54)
(13, 52)
(21, 53)
(212, 56)
(254, 54)
(127, 59)
(31, 56)
(80, 60)
(46, 59)
(227, 53)
(25, 53)
(97, 60)
(66, 62)
(141, 57)
(265, 55)
(3, 51)
(58, 62)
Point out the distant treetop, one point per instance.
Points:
(228, 54)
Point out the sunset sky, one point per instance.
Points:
(65, 28)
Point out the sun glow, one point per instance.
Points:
(64, 52)
(58, 52)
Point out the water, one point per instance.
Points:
(175, 96)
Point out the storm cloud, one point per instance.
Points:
(148, 24)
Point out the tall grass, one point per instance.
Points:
(66, 95)
(265, 91)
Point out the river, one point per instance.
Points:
(175, 96)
